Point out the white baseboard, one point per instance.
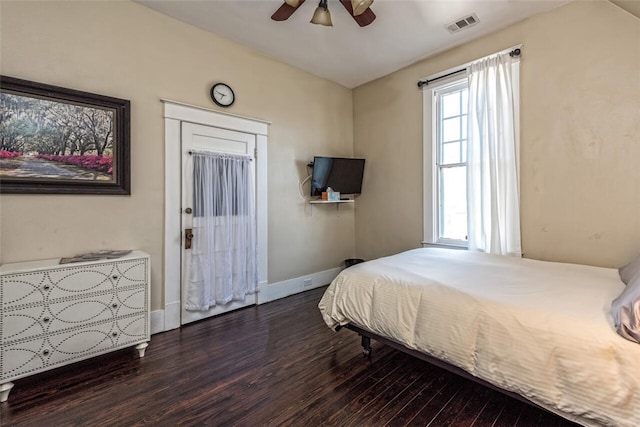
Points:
(169, 318)
(157, 321)
(172, 315)
(274, 291)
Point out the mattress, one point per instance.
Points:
(539, 329)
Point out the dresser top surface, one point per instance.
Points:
(46, 264)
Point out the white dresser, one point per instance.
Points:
(53, 315)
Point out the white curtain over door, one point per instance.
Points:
(493, 157)
(224, 250)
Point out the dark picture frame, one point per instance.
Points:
(55, 140)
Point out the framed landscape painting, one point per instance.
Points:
(55, 140)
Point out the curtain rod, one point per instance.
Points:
(220, 154)
(513, 53)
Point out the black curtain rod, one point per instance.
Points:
(513, 53)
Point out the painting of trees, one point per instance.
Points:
(50, 136)
(40, 127)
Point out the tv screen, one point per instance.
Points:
(341, 174)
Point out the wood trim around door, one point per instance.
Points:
(174, 114)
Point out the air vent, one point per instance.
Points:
(462, 23)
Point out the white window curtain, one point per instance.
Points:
(224, 251)
(493, 156)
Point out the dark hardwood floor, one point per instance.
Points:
(271, 365)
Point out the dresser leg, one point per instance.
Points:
(4, 391)
(141, 348)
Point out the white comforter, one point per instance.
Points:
(540, 329)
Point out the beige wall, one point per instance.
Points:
(124, 50)
(580, 134)
(580, 138)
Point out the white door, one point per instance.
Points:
(206, 138)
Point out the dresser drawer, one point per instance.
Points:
(75, 344)
(90, 309)
(24, 288)
(130, 330)
(23, 357)
(130, 301)
(130, 273)
(25, 322)
(69, 282)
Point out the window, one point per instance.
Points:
(446, 163)
(472, 199)
(451, 163)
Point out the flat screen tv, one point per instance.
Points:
(339, 173)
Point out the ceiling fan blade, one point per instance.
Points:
(364, 19)
(285, 11)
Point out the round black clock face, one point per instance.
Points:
(222, 94)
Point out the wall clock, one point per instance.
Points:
(222, 94)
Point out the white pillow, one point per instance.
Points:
(626, 311)
(629, 271)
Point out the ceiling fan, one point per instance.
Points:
(358, 9)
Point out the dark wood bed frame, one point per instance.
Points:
(366, 337)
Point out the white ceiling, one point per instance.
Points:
(404, 32)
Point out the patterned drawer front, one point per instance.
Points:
(67, 282)
(23, 357)
(130, 273)
(71, 345)
(130, 301)
(26, 288)
(70, 282)
(32, 355)
(23, 323)
(75, 313)
(131, 330)
(96, 308)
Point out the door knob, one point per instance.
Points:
(188, 236)
(188, 210)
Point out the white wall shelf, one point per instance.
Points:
(328, 202)
(337, 203)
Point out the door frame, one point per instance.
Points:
(174, 114)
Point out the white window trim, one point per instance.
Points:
(429, 204)
(430, 179)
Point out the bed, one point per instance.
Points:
(541, 330)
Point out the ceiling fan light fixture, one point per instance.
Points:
(322, 16)
(292, 3)
(359, 6)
